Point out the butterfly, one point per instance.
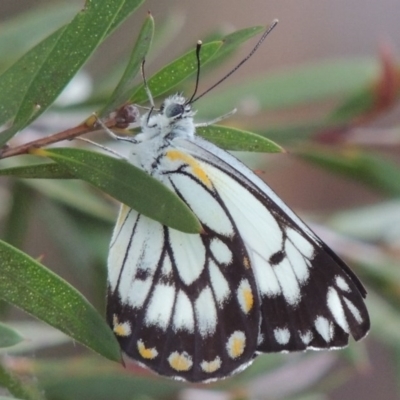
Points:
(201, 307)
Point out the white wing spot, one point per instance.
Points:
(301, 244)
(267, 281)
(336, 308)
(138, 292)
(221, 251)
(342, 284)
(306, 337)
(189, 254)
(211, 366)
(219, 283)
(354, 310)
(288, 282)
(298, 262)
(206, 313)
(282, 335)
(183, 314)
(236, 344)
(324, 328)
(160, 307)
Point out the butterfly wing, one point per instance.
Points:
(199, 307)
(310, 299)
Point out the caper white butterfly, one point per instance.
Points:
(200, 307)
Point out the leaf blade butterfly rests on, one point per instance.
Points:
(200, 307)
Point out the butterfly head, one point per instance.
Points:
(176, 107)
(174, 118)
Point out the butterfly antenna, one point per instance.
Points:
(265, 34)
(147, 89)
(198, 48)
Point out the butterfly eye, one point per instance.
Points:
(174, 110)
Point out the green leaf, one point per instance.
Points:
(15, 81)
(76, 195)
(48, 170)
(8, 336)
(15, 226)
(296, 132)
(357, 104)
(294, 87)
(175, 72)
(237, 140)
(184, 67)
(38, 336)
(32, 287)
(125, 86)
(70, 192)
(19, 34)
(128, 184)
(56, 60)
(373, 170)
(88, 379)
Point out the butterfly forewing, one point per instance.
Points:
(310, 299)
(199, 307)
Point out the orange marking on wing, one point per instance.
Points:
(176, 155)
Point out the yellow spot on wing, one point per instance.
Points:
(121, 329)
(180, 362)
(246, 262)
(176, 155)
(211, 366)
(236, 344)
(148, 353)
(248, 299)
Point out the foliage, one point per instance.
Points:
(79, 219)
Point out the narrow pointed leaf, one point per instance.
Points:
(8, 336)
(39, 171)
(56, 60)
(295, 87)
(30, 286)
(20, 33)
(15, 81)
(123, 90)
(75, 194)
(128, 184)
(238, 140)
